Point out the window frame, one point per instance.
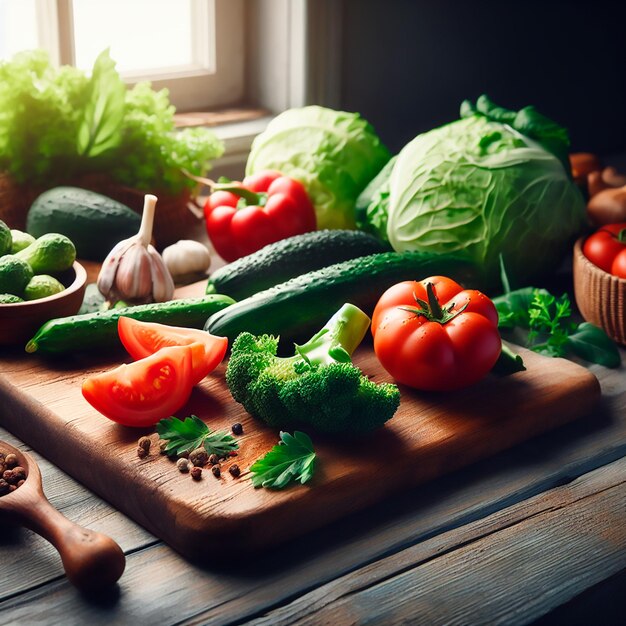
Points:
(214, 80)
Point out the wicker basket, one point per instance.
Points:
(176, 216)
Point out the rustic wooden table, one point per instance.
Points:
(535, 534)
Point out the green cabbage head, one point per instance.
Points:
(334, 154)
(493, 183)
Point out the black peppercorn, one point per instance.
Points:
(196, 472)
(234, 470)
(214, 459)
(237, 429)
(216, 471)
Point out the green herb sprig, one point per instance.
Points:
(192, 433)
(292, 459)
(542, 322)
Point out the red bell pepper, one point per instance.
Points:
(266, 207)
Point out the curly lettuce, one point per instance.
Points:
(59, 123)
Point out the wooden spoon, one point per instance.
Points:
(91, 560)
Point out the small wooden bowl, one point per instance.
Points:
(600, 296)
(20, 321)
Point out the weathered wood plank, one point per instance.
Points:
(35, 559)
(510, 568)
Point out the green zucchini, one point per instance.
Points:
(297, 308)
(99, 329)
(288, 258)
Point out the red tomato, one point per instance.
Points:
(434, 335)
(141, 339)
(606, 248)
(143, 392)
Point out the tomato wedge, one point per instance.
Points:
(143, 392)
(141, 339)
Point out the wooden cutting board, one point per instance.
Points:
(430, 435)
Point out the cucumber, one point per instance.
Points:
(288, 258)
(299, 307)
(99, 329)
(95, 223)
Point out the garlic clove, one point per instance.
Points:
(108, 271)
(133, 280)
(162, 282)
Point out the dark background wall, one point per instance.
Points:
(407, 65)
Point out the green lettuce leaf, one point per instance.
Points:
(101, 125)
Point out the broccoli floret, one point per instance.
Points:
(318, 386)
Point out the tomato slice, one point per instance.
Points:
(143, 392)
(142, 339)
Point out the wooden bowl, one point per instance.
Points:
(600, 296)
(20, 321)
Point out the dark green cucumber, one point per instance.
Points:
(288, 258)
(297, 308)
(99, 329)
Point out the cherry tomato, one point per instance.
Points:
(143, 392)
(606, 248)
(434, 335)
(141, 339)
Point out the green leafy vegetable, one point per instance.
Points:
(542, 322)
(372, 205)
(492, 183)
(333, 153)
(100, 128)
(192, 433)
(293, 459)
(57, 124)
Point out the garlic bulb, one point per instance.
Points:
(186, 258)
(134, 271)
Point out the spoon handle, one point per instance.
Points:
(91, 560)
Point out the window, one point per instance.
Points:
(195, 48)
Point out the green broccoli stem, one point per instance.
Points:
(339, 338)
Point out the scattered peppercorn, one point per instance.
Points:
(145, 443)
(237, 429)
(216, 471)
(196, 472)
(163, 446)
(182, 465)
(142, 453)
(234, 470)
(214, 459)
(199, 457)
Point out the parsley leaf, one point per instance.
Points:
(540, 321)
(192, 433)
(293, 458)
